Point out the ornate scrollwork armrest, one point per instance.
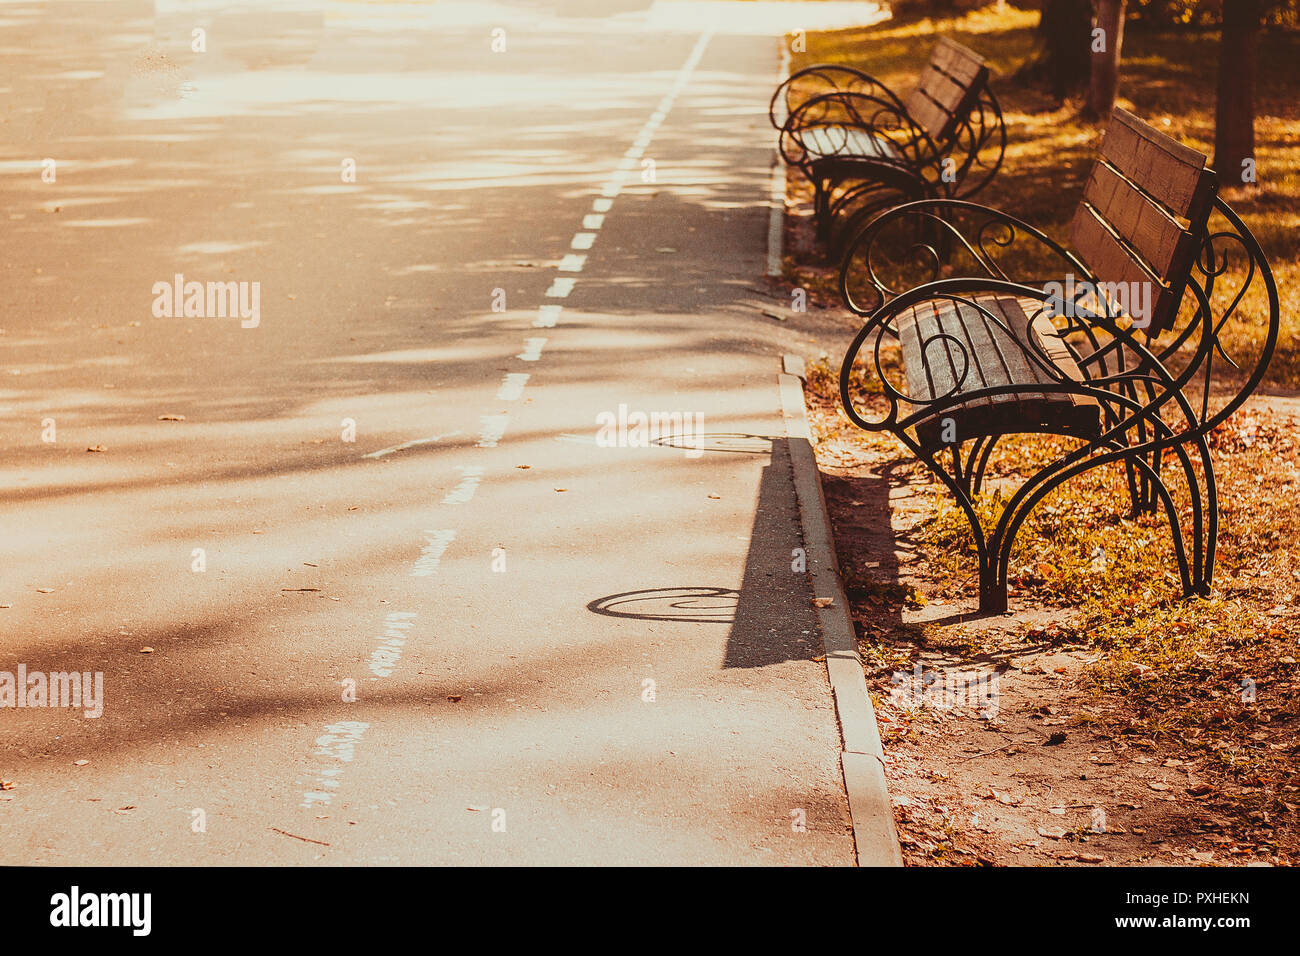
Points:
(821, 78)
(835, 115)
(931, 239)
(972, 298)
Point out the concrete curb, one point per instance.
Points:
(862, 759)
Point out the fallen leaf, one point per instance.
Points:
(45, 590)
(171, 418)
(823, 602)
(454, 697)
(7, 785)
(96, 448)
(146, 650)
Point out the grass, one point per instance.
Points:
(1168, 79)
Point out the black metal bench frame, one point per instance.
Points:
(1154, 387)
(944, 139)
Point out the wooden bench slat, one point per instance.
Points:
(847, 141)
(946, 92)
(941, 365)
(928, 114)
(1146, 226)
(961, 63)
(1171, 172)
(946, 88)
(996, 360)
(1110, 261)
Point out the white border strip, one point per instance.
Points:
(776, 194)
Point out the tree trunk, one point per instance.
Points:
(1066, 27)
(1103, 83)
(1234, 112)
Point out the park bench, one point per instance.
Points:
(865, 149)
(1119, 343)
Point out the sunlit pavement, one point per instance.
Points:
(362, 576)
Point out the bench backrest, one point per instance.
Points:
(947, 89)
(1143, 214)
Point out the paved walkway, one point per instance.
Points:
(561, 651)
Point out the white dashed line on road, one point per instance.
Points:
(512, 386)
(410, 444)
(492, 428)
(465, 489)
(547, 316)
(431, 554)
(532, 350)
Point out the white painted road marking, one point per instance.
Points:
(532, 350)
(464, 491)
(512, 386)
(491, 429)
(547, 316)
(431, 553)
(410, 444)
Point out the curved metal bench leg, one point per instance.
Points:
(822, 188)
(993, 587)
(993, 578)
(1207, 536)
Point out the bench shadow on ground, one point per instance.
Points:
(770, 617)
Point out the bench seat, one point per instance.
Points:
(995, 360)
(825, 142)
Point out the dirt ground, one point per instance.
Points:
(999, 752)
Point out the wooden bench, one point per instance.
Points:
(865, 149)
(1114, 343)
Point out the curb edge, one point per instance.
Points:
(862, 757)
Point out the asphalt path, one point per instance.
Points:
(385, 570)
